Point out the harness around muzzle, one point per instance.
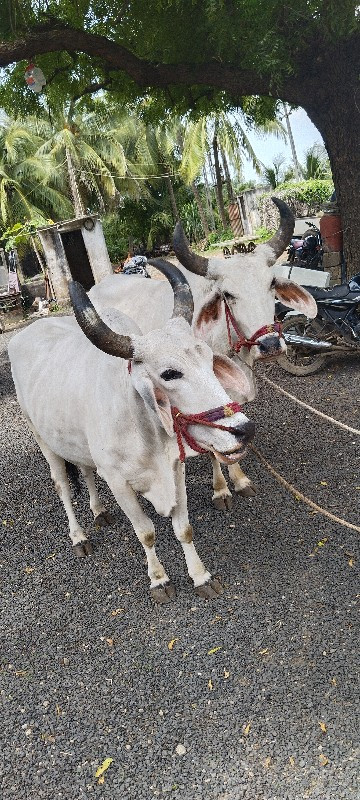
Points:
(207, 418)
(242, 341)
(182, 421)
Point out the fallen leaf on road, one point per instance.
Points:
(29, 569)
(292, 761)
(226, 673)
(264, 652)
(267, 761)
(323, 727)
(117, 611)
(351, 562)
(247, 729)
(323, 760)
(210, 685)
(171, 643)
(333, 682)
(100, 770)
(110, 642)
(213, 650)
(323, 483)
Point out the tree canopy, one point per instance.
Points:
(200, 55)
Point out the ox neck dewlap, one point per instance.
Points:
(241, 339)
(182, 421)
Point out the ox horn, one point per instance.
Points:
(282, 237)
(187, 258)
(94, 328)
(183, 299)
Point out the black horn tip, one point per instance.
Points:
(283, 207)
(183, 299)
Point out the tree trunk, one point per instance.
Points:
(336, 115)
(229, 185)
(199, 204)
(208, 199)
(172, 196)
(219, 189)
(77, 201)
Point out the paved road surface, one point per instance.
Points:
(260, 687)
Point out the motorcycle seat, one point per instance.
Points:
(335, 292)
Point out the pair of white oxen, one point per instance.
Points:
(153, 389)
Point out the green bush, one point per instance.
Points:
(312, 193)
(219, 236)
(116, 237)
(262, 234)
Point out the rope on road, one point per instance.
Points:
(300, 495)
(309, 408)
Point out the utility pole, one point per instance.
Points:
(297, 168)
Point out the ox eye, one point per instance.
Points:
(229, 296)
(273, 283)
(171, 375)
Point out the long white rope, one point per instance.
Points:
(300, 495)
(309, 408)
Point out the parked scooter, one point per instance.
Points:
(335, 329)
(307, 250)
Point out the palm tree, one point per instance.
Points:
(30, 186)
(224, 135)
(92, 148)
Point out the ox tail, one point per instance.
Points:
(73, 476)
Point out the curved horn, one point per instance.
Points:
(187, 258)
(183, 299)
(94, 328)
(282, 237)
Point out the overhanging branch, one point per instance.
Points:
(116, 57)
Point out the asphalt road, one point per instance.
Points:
(256, 697)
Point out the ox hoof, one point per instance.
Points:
(224, 503)
(247, 491)
(210, 589)
(82, 549)
(163, 594)
(104, 519)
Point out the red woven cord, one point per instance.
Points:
(182, 421)
(242, 341)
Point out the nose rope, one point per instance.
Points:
(242, 341)
(207, 418)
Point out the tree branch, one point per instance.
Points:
(57, 37)
(61, 37)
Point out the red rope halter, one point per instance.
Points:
(242, 341)
(182, 421)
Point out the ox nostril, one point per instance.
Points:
(269, 345)
(245, 433)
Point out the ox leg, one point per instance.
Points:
(101, 516)
(204, 584)
(161, 590)
(81, 546)
(222, 497)
(242, 484)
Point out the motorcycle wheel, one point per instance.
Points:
(296, 360)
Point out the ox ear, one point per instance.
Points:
(296, 297)
(208, 315)
(231, 376)
(157, 399)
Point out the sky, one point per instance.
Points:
(304, 133)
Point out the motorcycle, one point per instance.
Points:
(306, 250)
(335, 329)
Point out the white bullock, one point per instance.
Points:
(234, 302)
(130, 408)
